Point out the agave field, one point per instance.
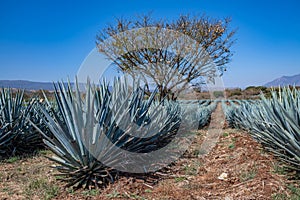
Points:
(59, 143)
(274, 122)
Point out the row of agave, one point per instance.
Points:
(274, 122)
(90, 132)
(199, 111)
(17, 136)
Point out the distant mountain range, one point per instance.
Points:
(284, 81)
(28, 85)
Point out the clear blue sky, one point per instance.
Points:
(48, 40)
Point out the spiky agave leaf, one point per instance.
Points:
(127, 107)
(134, 124)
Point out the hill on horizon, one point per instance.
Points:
(284, 81)
(27, 85)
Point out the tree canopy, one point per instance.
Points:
(171, 55)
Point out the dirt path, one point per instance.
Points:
(214, 131)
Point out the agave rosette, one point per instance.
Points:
(82, 127)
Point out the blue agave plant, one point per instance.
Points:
(16, 134)
(82, 126)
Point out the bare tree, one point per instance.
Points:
(171, 55)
